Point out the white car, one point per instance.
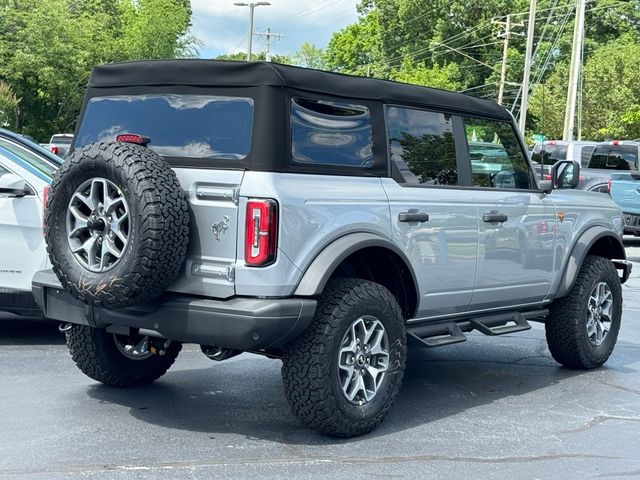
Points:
(24, 178)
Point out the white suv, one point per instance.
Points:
(24, 176)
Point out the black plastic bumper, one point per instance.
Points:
(238, 323)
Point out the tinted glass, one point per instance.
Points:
(27, 159)
(585, 154)
(497, 159)
(421, 146)
(61, 139)
(615, 157)
(549, 153)
(193, 126)
(331, 133)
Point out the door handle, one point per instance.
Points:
(413, 215)
(494, 216)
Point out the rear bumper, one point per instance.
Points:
(237, 323)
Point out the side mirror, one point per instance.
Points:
(13, 185)
(565, 174)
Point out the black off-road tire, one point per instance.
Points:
(158, 225)
(310, 371)
(566, 327)
(95, 353)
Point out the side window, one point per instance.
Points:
(421, 146)
(331, 133)
(599, 157)
(497, 160)
(585, 154)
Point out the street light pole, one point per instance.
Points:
(251, 6)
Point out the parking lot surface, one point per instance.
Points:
(486, 408)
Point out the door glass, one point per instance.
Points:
(497, 159)
(421, 146)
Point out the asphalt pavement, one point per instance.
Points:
(487, 408)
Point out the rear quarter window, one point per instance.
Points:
(331, 133)
(179, 125)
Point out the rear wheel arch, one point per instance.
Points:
(596, 241)
(369, 257)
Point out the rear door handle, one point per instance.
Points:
(413, 215)
(494, 216)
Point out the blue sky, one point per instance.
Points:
(223, 27)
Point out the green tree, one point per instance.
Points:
(355, 49)
(309, 56)
(444, 77)
(255, 57)
(48, 47)
(9, 104)
(147, 33)
(611, 94)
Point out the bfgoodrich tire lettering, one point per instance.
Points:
(310, 369)
(567, 329)
(157, 231)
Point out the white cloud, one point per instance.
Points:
(222, 26)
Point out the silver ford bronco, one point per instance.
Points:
(321, 219)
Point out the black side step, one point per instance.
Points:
(436, 335)
(499, 324)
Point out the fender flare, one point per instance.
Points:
(579, 251)
(322, 267)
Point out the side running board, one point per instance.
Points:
(446, 333)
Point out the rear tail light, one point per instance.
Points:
(261, 232)
(609, 186)
(54, 149)
(542, 227)
(133, 138)
(616, 142)
(547, 176)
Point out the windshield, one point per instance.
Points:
(193, 126)
(37, 165)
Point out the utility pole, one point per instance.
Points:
(524, 104)
(574, 72)
(251, 8)
(267, 40)
(505, 50)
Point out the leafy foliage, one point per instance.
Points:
(8, 105)
(255, 57)
(309, 56)
(48, 47)
(457, 45)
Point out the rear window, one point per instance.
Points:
(615, 157)
(62, 139)
(548, 153)
(183, 126)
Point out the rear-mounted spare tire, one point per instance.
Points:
(116, 224)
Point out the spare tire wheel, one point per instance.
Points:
(116, 224)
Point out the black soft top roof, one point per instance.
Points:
(217, 73)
